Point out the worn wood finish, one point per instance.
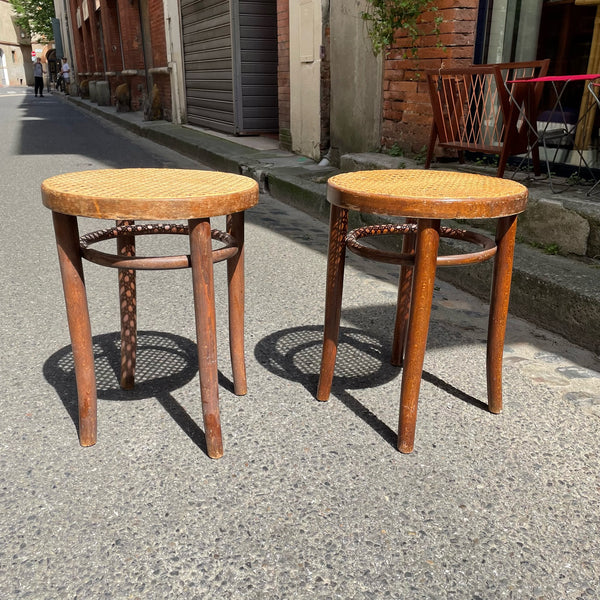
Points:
(128, 309)
(506, 231)
(423, 194)
(428, 238)
(425, 198)
(235, 279)
(149, 194)
(336, 258)
(153, 195)
(71, 269)
(403, 304)
(206, 331)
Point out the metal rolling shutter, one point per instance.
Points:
(206, 26)
(230, 58)
(255, 65)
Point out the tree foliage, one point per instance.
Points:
(385, 17)
(34, 17)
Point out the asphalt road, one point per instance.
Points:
(311, 500)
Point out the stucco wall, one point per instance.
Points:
(15, 65)
(356, 81)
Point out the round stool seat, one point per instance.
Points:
(149, 194)
(427, 194)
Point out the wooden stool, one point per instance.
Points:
(153, 195)
(424, 198)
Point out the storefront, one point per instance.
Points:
(565, 31)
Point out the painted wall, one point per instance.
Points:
(305, 33)
(15, 51)
(356, 82)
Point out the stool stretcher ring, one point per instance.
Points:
(225, 252)
(395, 258)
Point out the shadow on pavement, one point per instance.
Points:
(165, 362)
(362, 362)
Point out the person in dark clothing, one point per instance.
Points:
(38, 75)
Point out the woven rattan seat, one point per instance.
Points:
(152, 195)
(423, 198)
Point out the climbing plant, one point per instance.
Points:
(385, 17)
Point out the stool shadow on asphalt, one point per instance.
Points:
(362, 363)
(164, 362)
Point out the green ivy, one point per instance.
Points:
(385, 17)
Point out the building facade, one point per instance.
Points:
(15, 50)
(305, 69)
(121, 43)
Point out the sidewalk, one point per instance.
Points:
(558, 293)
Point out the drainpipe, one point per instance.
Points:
(173, 74)
(120, 38)
(147, 65)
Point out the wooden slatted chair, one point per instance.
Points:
(475, 110)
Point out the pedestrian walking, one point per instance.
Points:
(66, 74)
(38, 76)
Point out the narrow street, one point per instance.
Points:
(311, 500)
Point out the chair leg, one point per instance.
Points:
(206, 331)
(338, 228)
(71, 269)
(235, 280)
(428, 237)
(403, 305)
(433, 135)
(535, 159)
(127, 303)
(503, 264)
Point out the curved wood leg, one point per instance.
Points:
(206, 331)
(336, 258)
(235, 280)
(71, 269)
(428, 237)
(506, 230)
(403, 305)
(127, 304)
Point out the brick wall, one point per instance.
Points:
(110, 27)
(123, 47)
(406, 107)
(283, 73)
(157, 33)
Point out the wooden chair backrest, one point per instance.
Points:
(475, 109)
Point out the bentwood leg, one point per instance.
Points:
(403, 304)
(338, 228)
(503, 263)
(127, 303)
(67, 241)
(235, 280)
(206, 331)
(428, 237)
